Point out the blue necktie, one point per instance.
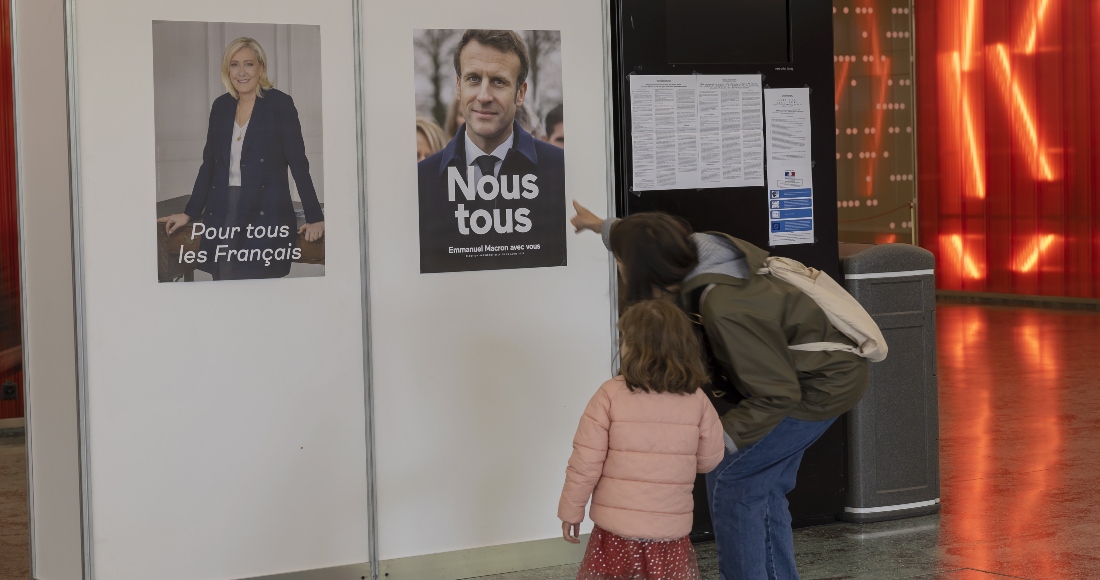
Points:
(487, 164)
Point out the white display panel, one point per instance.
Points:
(225, 421)
(479, 377)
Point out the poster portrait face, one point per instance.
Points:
(240, 179)
(491, 184)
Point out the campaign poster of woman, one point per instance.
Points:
(240, 180)
(490, 138)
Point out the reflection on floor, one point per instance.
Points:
(1020, 432)
(1019, 440)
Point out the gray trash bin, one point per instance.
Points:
(893, 433)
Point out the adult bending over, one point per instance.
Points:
(785, 399)
(254, 136)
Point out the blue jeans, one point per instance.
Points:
(748, 504)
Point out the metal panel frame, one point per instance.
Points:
(364, 272)
(609, 137)
(79, 287)
(22, 274)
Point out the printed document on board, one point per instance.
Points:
(790, 168)
(696, 131)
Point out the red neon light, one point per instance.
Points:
(1036, 23)
(842, 79)
(969, 268)
(883, 71)
(1011, 92)
(1027, 260)
(1013, 107)
(971, 28)
(976, 159)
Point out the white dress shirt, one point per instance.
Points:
(473, 152)
(235, 154)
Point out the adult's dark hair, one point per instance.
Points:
(502, 40)
(656, 251)
(661, 352)
(555, 117)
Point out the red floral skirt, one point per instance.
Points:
(611, 557)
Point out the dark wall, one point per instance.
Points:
(10, 325)
(640, 46)
(640, 33)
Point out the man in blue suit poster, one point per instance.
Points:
(494, 197)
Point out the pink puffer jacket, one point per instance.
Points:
(640, 453)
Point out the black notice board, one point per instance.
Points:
(649, 36)
(642, 31)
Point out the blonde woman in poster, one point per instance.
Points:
(242, 192)
(429, 138)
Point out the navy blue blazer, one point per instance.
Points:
(439, 229)
(272, 143)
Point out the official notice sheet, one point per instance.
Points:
(696, 131)
(790, 169)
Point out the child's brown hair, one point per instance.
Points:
(661, 352)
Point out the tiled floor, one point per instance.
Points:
(14, 557)
(1020, 433)
(1019, 444)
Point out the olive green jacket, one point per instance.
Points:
(749, 324)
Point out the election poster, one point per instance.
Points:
(239, 159)
(490, 138)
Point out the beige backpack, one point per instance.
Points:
(842, 310)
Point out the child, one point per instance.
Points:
(643, 437)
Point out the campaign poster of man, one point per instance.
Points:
(490, 137)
